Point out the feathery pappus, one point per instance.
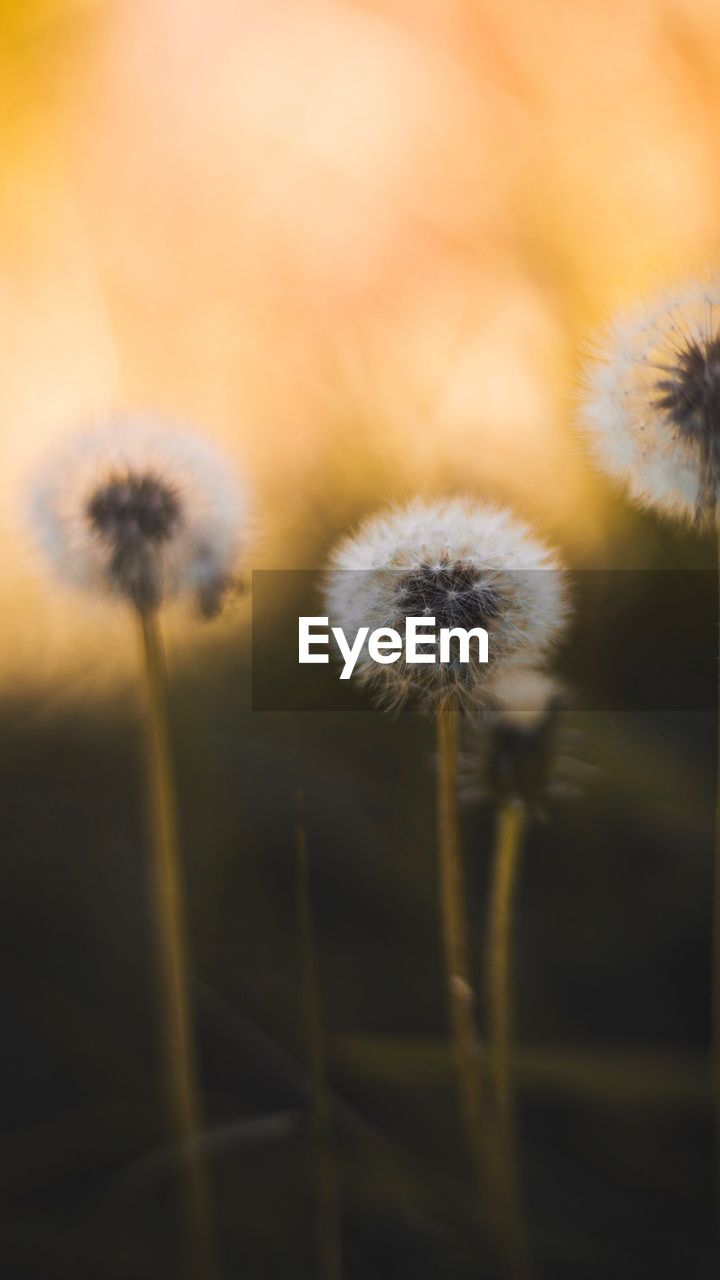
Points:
(651, 404)
(466, 565)
(142, 512)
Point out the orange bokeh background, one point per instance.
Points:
(360, 244)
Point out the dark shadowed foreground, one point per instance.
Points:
(611, 963)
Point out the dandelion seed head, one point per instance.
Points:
(453, 594)
(463, 564)
(651, 405)
(141, 512)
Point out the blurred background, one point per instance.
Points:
(362, 246)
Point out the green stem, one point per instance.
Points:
(460, 992)
(183, 1096)
(510, 826)
(329, 1242)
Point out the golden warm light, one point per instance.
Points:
(359, 244)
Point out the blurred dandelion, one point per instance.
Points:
(465, 565)
(142, 514)
(651, 407)
(651, 411)
(522, 746)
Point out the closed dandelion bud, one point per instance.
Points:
(522, 748)
(142, 513)
(651, 406)
(465, 566)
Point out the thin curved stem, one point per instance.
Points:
(183, 1095)
(716, 938)
(461, 997)
(510, 826)
(329, 1240)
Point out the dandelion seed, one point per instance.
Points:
(465, 565)
(651, 406)
(142, 513)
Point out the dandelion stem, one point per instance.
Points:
(460, 991)
(716, 939)
(329, 1244)
(510, 826)
(184, 1104)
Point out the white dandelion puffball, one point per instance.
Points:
(651, 406)
(465, 565)
(141, 512)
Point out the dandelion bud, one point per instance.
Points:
(521, 748)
